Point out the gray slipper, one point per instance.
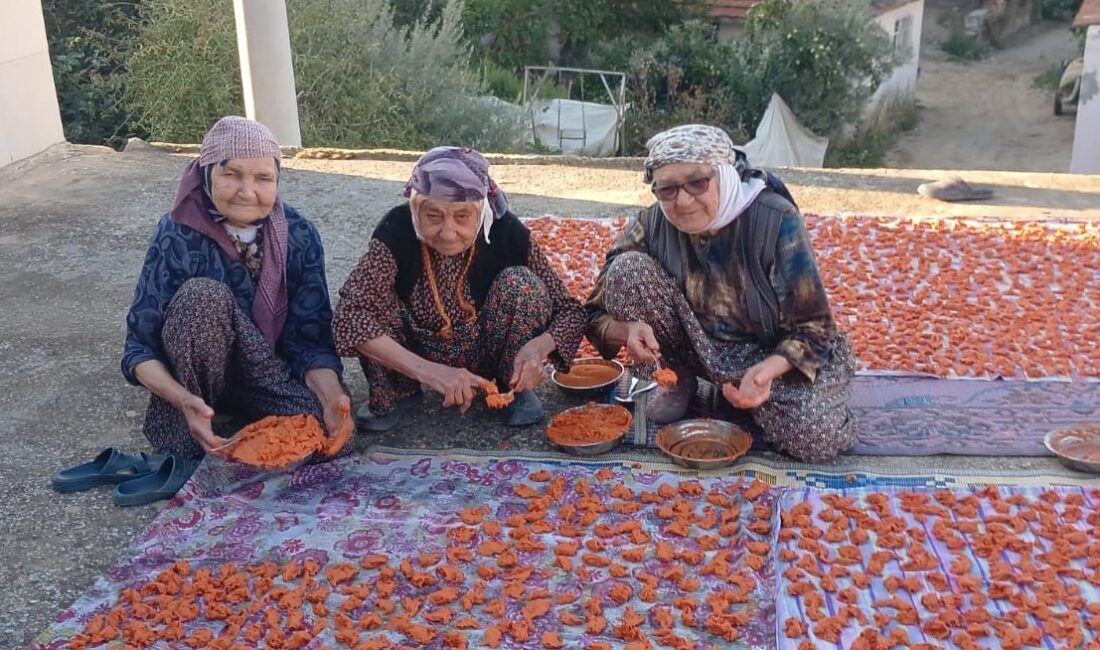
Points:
(525, 409)
(367, 421)
(954, 188)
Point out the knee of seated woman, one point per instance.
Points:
(200, 296)
(519, 280)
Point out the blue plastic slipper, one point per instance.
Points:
(158, 485)
(110, 467)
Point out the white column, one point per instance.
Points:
(267, 72)
(30, 120)
(1086, 137)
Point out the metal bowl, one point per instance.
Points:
(1061, 443)
(703, 443)
(591, 448)
(594, 389)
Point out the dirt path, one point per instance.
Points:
(988, 114)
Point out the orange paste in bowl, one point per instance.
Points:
(277, 441)
(587, 375)
(589, 424)
(1082, 443)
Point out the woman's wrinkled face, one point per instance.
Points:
(244, 189)
(690, 213)
(449, 228)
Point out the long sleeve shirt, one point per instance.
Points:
(178, 253)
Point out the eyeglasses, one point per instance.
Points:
(693, 187)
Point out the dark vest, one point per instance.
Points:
(511, 244)
(757, 236)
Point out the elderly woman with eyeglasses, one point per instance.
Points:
(717, 279)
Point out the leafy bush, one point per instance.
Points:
(1057, 9)
(825, 59)
(89, 43)
(962, 46)
(362, 81)
(869, 143)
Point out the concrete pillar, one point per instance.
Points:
(1086, 137)
(267, 72)
(30, 120)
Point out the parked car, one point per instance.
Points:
(1069, 86)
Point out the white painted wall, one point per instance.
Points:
(1086, 137)
(903, 81)
(30, 120)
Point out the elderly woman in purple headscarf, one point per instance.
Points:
(718, 278)
(231, 311)
(452, 292)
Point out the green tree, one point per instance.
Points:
(89, 44)
(825, 59)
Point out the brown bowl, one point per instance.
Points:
(1077, 446)
(703, 443)
(588, 377)
(591, 448)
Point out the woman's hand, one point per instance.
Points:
(200, 418)
(529, 366)
(641, 342)
(756, 385)
(335, 413)
(457, 385)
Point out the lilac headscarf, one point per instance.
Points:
(237, 137)
(456, 175)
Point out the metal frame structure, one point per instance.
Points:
(538, 74)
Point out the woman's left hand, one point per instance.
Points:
(756, 385)
(528, 368)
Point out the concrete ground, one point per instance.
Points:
(75, 223)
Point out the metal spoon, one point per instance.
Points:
(637, 387)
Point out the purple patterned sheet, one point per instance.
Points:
(793, 606)
(923, 416)
(341, 511)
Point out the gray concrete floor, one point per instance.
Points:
(73, 229)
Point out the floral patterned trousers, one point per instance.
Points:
(215, 351)
(808, 420)
(516, 310)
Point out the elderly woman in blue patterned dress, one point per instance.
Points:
(453, 292)
(231, 310)
(718, 278)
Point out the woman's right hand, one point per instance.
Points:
(457, 385)
(200, 418)
(641, 342)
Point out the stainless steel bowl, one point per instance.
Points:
(703, 443)
(595, 389)
(591, 448)
(1061, 441)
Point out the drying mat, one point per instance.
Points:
(441, 520)
(923, 416)
(1019, 300)
(1000, 566)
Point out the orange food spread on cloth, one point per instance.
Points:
(279, 440)
(587, 375)
(494, 399)
(589, 424)
(665, 377)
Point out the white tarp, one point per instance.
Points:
(781, 141)
(576, 128)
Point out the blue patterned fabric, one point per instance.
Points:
(178, 253)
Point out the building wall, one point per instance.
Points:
(30, 120)
(903, 81)
(1086, 137)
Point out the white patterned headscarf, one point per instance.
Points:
(701, 144)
